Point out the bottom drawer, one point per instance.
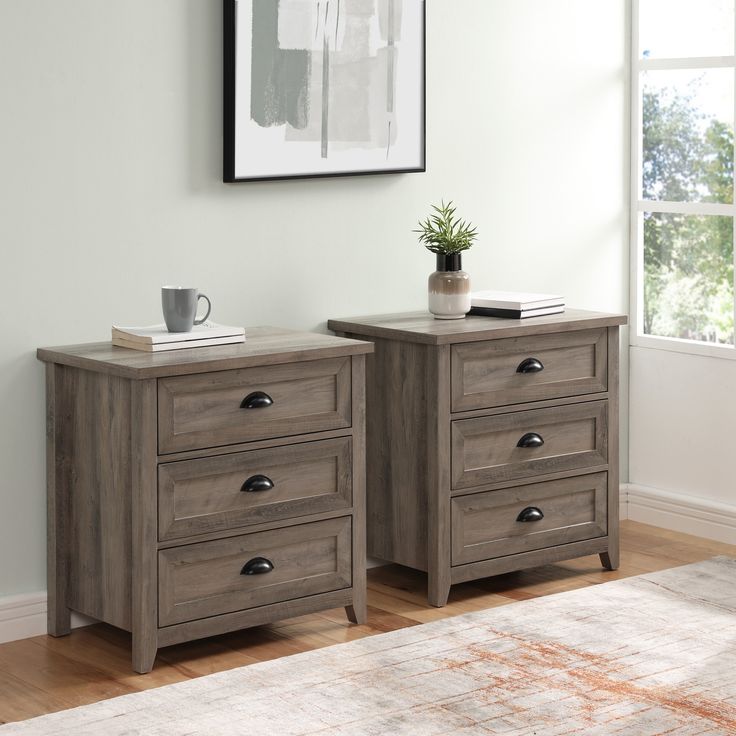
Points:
(225, 575)
(500, 523)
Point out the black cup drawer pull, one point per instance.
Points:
(257, 566)
(530, 365)
(530, 513)
(256, 400)
(257, 484)
(530, 439)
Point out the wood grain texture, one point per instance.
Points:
(522, 560)
(485, 450)
(263, 346)
(207, 494)
(260, 527)
(422, 327)
(230, 622)
(34, 673)
(356, 610)
(397, 406)
(205, 410)
(440, 425)
(487, 525)
(206, 579)
(536, 478)
(103, 484)
(484, 374)
(610, 558)
(264, 444)
(58, 516)
(438, 459)
(144, 597)
(21, 699)
(528, 405)
(93, 468)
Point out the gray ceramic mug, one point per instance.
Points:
(179, 304)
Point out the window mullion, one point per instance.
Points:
(686, 62)
(686, 208)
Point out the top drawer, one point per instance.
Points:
(227, 407)
(517, 370)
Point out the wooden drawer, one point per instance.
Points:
(204, 410)
(205, 579)
(488, 525)
(487, 374)
(487, 450)
(229, 491)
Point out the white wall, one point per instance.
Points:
(682, 425)
(110, 152)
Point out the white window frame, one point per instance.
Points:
(639, 205)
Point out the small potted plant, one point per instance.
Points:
(447, 236)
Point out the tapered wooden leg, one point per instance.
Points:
(357, 612)
(439, 590)
(609, 559)
(144, 654)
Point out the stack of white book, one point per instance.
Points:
(515, 304)
(155, 338)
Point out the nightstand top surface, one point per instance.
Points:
(422, 327)
(262, 346)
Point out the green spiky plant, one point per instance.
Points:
(444, 233)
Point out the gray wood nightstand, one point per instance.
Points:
(199, 491)
(492, 444)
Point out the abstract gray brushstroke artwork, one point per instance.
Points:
(326, 71)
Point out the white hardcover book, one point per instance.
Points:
(518, 300)
(148, 347)
(158, 334)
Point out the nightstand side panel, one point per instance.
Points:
(93, 477)
(397, 442)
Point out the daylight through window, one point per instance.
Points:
(683, 89)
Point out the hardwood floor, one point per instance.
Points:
(43, 674)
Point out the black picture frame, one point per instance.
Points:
(237, 136)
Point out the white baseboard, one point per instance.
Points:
(23, 616)
(623, 502)
(679, 512)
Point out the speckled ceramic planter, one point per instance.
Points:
(449, 288)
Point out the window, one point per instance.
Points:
(683, 81)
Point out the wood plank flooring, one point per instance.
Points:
(43, 674)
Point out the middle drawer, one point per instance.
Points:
(225, 492)
(499, 448)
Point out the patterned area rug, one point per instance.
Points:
(649, 655)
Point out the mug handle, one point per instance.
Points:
(209, 308)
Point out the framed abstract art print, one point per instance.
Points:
(323, 88)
